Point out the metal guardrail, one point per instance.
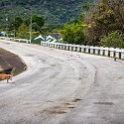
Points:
(102, 51)
(17, 40)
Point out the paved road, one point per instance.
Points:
(62, 87)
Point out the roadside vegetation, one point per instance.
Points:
(103, 25)
(107, 24)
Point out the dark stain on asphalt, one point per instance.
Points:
(29, 55)
(104, 103)
(76, 100)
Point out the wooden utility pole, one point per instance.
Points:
(30, 27)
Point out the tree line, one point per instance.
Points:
(20, 27)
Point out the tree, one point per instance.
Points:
(23, 31)
(37, 22)
(18, 22)
(15, 24)
(108, 18)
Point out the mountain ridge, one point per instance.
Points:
(54, 11)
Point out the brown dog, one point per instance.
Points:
(6, 77)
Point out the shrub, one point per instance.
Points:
(73, 34)
(113, 39)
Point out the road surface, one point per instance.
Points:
(62, 87)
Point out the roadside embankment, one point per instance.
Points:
(9, 60)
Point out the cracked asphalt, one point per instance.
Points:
(62, 87)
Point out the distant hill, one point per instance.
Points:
(54, 11)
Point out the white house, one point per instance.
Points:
(49, 38)
(40, 37)
(56, 37)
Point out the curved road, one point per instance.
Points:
(62, 87)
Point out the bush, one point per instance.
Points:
(112, 40)
(73, 33)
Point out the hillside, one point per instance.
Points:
(54, 11)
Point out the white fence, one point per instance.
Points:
(102, 51)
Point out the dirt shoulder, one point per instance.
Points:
(9, 60)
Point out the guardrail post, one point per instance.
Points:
(117, 51)
(66, 47)
(51, 45)
(55, 45)
(96, 50)
(63, 46)
(58, 46)
(101, 51)
(43, 43)
(122, 54)
(71, 48)
(47, 44)
(87, 49)
(78, 48)
(82, 48)
(111, 52)
(92, 49)
(74, 48)
(106, 51)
